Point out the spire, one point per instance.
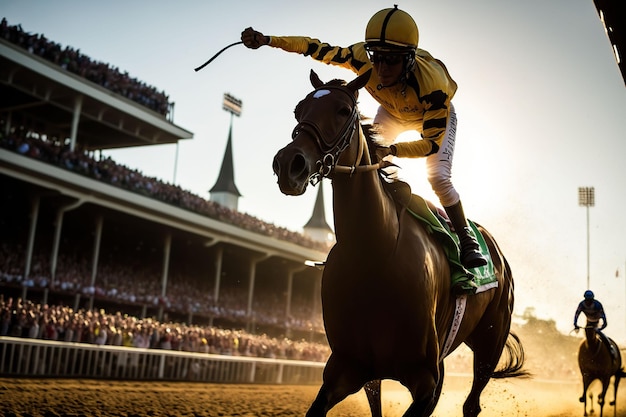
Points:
(317, 228)
(225, 191)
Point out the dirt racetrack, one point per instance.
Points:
(60, 397)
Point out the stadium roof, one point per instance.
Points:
(611, 13)
(45, 94)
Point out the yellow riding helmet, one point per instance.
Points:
(391, 30)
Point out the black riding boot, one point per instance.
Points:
(470, 253)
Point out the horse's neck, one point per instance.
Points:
(592, 338)
(363, 211)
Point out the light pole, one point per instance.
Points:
(618, 274)
(175, 164)
(231, 105)
(586, 198)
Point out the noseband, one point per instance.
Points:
(330, 149)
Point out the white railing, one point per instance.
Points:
(43, 358)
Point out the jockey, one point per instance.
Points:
(414, 91)
(593, 311)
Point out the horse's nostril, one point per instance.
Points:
(298, 165)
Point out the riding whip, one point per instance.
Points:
(216, 55)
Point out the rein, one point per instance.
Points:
(327, 164)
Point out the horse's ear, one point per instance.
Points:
(315, 80)
(360, 81)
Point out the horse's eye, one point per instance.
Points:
(344, 112)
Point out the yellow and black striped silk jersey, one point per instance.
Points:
(425, 104)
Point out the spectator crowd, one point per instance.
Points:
(20, 318)
(138, 285)
(101, 73)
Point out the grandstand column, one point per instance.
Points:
(317, 301)
(167, 246)
(252, 275)
(77, 302)
(7, 123)
(57, 236)
(219, 254)
(78, 105)
(96, 255)
(34, 214)
(290, 274)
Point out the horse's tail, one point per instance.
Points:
(515, 358)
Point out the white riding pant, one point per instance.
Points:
(438, 165)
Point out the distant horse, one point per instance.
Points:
(599, 359)
(386, 287)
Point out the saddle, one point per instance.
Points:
(402, 195)
(607, 342)
(436, 222)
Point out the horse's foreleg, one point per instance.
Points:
(602, 395)
(583, 398)
(423, 388)
(372, 391)
(618, 376)
(340, 380)
(471, 406)
(326, 399)
(437, 389)
(615, 386)
(320, 406)
(485, 361)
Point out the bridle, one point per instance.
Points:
(332, 149)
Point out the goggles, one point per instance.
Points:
(388, 59)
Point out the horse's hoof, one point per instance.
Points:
(582, 399)
(612, 403)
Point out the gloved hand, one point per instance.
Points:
(383, 151)
(253, 39)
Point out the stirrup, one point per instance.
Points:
(470, 251)
(472, 259)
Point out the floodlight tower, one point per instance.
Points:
(233, 106)
(586, 198)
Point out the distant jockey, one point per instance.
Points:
(593, 311)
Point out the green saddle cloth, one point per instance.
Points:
(483, 276)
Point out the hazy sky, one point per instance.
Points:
(541, 108)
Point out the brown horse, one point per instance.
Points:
(599, 358)
(386, 297)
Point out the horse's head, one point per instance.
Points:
(328, 123)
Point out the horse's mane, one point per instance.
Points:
(372, 137)
(369, 133)
(337, 82)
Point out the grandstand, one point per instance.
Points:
(81, 230)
